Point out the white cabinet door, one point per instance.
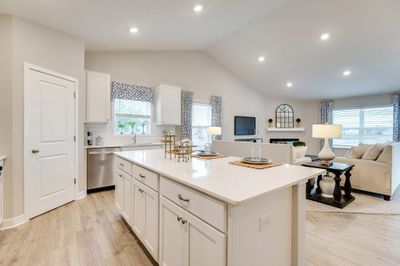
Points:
(172, 235)
(151, 231)
(119, 190)
(127, 211)
(145, 217)
(205, 245)
(168, 104)
(139, 209)
(98, 97)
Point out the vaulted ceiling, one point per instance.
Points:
(364, 38)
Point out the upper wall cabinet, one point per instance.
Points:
(168, 105)
(98, 97)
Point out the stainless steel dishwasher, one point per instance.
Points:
(100, 168)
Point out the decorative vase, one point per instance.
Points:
(327, 185)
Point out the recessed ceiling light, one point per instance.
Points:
(325, 36)
(133, 30)
(289, 84)
(197, 8)
(346, 73)
(261, 58)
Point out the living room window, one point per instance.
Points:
(364, 125)
(132, 117)
(201, 119)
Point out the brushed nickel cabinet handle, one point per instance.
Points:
(179, 219)
(121, 164)
(140, 190)
(120, 175)
(184, 221)
(183, 199)
(35, 151)
(142, 176)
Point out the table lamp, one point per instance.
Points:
(213, 131)
(326, 132)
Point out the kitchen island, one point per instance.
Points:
(209, 212)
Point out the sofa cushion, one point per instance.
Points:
(373, 152)
(386, 155)
(356, 152)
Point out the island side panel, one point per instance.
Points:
(260, 231)
(298, 224)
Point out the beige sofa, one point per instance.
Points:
(374, 175)
(281, 153)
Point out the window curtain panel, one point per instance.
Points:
(216, 113)
(186, 114)
(131, 92)
(396, 117)
(326, 116)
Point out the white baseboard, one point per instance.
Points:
(13, 222)
(80, 195)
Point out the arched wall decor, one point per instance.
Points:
(284, 116)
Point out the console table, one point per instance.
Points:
(338, 169)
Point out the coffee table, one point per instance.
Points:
(338, 169)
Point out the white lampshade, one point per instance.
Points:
(323, 131)
(214, 131)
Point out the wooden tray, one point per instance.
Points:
(255, 166)
(209, 157)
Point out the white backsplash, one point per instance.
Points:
(110, 137)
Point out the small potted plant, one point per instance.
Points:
(298, 121)
(132, 124)
(300, 149)
(121, 126)
(270, 121)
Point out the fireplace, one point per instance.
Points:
(282, 141)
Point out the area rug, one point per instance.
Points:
(363, 204)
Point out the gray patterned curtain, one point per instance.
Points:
(186, 114)
(326, 116)
(216, 113)
(396, 117)
(132, 92)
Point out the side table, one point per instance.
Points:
(338, 169)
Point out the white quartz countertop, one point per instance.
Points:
(123, 145)
(217, 178)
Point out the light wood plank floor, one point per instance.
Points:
(91, 232)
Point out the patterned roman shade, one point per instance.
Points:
(216, 113)
(132, 92)
(186, 114)
(396, 117)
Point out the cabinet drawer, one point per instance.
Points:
(206, 208)
(145, 176)
(123, 165)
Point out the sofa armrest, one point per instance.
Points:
(395, 166)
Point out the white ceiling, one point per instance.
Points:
(365, 37)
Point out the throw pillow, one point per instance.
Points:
(373, 152)
(356, 152)
(386, 155)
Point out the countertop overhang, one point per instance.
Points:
(219, 179)
(118, 145)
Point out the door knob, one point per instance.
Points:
(35, 151)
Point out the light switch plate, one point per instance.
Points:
(265, 222)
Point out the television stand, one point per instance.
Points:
(250, 140)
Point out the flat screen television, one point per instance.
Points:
(245, 125)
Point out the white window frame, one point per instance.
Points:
(203, 127)
(114, 115)
(361, 122)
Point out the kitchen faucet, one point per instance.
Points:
(134, 138)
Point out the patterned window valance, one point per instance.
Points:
(132, 92)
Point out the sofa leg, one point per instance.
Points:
(386, 197)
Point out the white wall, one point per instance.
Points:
(50, 49)
(197, 72)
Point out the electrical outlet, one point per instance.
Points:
(265, 222)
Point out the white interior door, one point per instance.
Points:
(49, 140)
